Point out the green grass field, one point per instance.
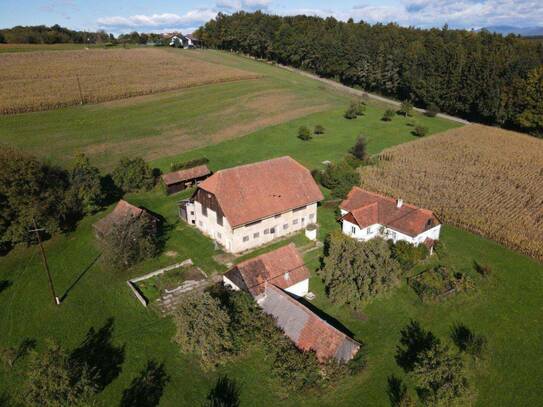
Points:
(506, 307)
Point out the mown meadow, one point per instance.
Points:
(505, 307)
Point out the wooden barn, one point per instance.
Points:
(179, 180)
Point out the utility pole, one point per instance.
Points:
(37, 230)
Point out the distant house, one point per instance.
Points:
(250, 205)
(307, 330)
(179, 180)
(365, 215)
(184, 41)
(283, 267)
(122, 211)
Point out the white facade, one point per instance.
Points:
(377, 230)
(253, 234)
(299, 289)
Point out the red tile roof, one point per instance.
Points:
(283, 267)
(120, 212)
(368, 208)
(255, 191)
(306, 329)
(185, 175)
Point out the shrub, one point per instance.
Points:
(189, 164)
(317, 175)
(352, 111)
(388, 115)
(304, 133)
(319, 129)
(420, 131)
(133, 174)
(432, 110)
(130, 241)
(408, 255)
(353, 162)
(432, 284)
(355, 272)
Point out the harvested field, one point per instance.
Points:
(484, 179)
(51, 79)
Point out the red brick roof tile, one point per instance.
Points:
(283, 267)
(367, 208)
(256, 191)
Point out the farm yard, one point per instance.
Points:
(47, 80)
(231, 124)
(483, 179)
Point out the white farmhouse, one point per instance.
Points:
(365, 215)
(247, 206)
(283, 268)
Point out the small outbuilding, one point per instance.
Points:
(283, 267)
(122, 211)
(177, 181)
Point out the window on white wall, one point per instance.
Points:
(266, 231)
(256, 235)
(295, 222)
(285, 226)
(368, 231)
(311, 216)
(245, 238)
(353, 230)
(272, 230)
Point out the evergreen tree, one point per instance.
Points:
(531, 101)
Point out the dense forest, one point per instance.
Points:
(477, 75)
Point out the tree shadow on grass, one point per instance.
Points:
(99, 354)
(5, 284)
(396, 390)
(225, 393)
(461, 335)
(413, 340)
(146, 389)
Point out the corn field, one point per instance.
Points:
(52, 79)
(483, 179)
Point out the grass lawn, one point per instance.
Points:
(506, 307)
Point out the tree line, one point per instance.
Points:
(56, 34)
(481, 76)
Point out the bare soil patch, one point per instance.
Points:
(484, 179)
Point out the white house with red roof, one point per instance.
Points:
(283, 268)
(366, 215)
(247, 206)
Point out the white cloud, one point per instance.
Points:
(248, 5)
(420, 13)
(158, 21)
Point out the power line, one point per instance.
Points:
(37, 230)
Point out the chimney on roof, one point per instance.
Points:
(399, 203)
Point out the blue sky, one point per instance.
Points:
(119, 16)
